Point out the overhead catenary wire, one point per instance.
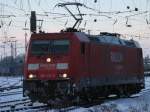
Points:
(95, 12)
(9, 6)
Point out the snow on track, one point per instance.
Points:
(137, 103)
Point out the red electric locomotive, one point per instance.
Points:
(74, 64)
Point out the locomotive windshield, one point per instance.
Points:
(45, 47)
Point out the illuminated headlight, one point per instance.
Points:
(48, 60)
(64, 75)
(31, 76)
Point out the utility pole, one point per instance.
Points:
(15, 49)
(13, 44)
(4, 52)
(1, 57)
(12, 52)
(25, 37)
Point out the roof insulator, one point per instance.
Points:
(128, 7)
(95, 1)
(136, 9)
(95, 20)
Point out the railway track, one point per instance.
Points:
(10, 93)
(10, 88)
(26, 105)
(75, 107)
(13, 102)
(9, 106)
(100, 101)
(26, 108)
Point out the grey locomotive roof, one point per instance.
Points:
(114, 39)
(107, 38)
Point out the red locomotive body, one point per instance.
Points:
(77, 64)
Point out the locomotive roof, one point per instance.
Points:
(113, 39)
(104, 38)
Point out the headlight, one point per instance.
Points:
(31, 76)
(64, 75)
(48, 60)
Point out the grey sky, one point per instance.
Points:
(104, 15)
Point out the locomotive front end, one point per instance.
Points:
(46, 67)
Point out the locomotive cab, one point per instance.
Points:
(47, 65)
(48, 59)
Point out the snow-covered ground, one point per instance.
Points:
(140, 103)
(7, 82)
